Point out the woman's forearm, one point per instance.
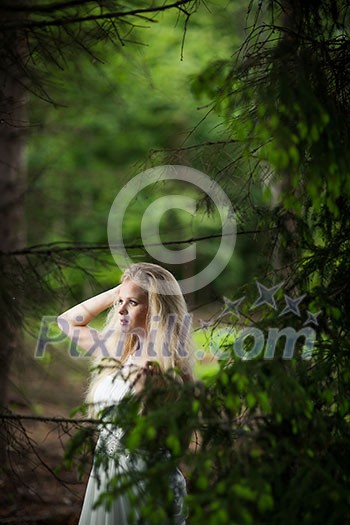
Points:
(83, 313)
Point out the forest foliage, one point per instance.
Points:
(269, 437)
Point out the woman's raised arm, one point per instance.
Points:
(74, 322)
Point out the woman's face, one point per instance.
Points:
(132, 307)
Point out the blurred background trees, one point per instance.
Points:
(88, 90)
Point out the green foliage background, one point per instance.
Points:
(273, 435)
(112, 111)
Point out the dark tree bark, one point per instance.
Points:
(13, 126)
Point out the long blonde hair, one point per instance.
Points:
(168, 327)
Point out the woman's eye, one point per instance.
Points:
(134, 303)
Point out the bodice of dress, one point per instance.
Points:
(108, 392)
(113, 387)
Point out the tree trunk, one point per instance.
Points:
(284, 256)
(13, 125)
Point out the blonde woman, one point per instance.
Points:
(148, 322)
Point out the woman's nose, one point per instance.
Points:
(123, 309)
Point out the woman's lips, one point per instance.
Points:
(124, 321)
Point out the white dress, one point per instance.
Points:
(109, 392)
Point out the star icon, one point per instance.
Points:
(232, 306)
(266, 295)
(312, 318)
(292, 305)
(204, 324)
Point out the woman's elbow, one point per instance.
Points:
(63, 323)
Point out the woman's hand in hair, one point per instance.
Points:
(75, 321)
